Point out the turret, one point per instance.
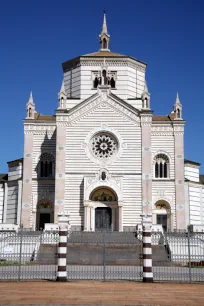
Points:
(30, 107)
(145, 98)
(62, 97)
(177, 108)
(104, 37)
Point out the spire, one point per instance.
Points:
(62, 87)
(62, 96)
(104, 37)
(177, 99)
(31, 98)
(104, 27)
(30, 107)
(146, 88)
(177, 108)
(145, 97)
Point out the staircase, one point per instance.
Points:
(90, 248)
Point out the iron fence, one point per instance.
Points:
(104, 256)
(178, 256)
(28, 255)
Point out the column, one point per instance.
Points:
(113, 219)
(146, 123)
(60, 170)
(64, 228)
(120, 208)
(85, 217)
(92, 219)
(27, 179)
(88, 218)
(147, 248)
(179, 175)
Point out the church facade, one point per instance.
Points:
(104, 156)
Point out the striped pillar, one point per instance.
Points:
(63, 221)
(147, 248)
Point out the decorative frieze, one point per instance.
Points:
(179, 129)
(113, 63)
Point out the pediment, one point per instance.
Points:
(103, 99)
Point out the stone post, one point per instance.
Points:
(64, 231)
(147, 248)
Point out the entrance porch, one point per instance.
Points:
(102, 211)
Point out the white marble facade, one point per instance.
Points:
(104, 156)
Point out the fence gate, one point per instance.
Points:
(28, 255)
(104, 256)
(178, 256)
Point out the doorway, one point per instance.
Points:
(162, 219)
(103, 218)
(44, 218)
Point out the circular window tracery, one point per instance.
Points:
(104, 145)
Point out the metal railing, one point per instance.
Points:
(29, 255)
(178, 256)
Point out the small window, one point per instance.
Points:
(161, 166)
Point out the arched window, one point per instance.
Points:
(30, 112)
(178, 113)
(112, 83)
(46, 165)
(161, 166)
(104, 43)
(96, 82)
(105, 81)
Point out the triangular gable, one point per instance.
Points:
(99, 99)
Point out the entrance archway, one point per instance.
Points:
(102, 212)
(45, 214)
(162, 214)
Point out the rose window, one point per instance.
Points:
(104, 145)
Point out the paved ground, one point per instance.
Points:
(99, 293)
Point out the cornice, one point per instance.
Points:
(111, 61)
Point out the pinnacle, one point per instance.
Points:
(31, 98)
(177, 99)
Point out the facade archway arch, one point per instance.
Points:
(162, 213)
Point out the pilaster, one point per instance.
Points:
(179, 174)
(27, 179)
(19, 202)
(146, 123)
(60, 170)
(5, 202)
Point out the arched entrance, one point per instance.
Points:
(103, 204)
(162, 214)
(45, 214)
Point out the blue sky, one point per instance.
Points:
(37, 36)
